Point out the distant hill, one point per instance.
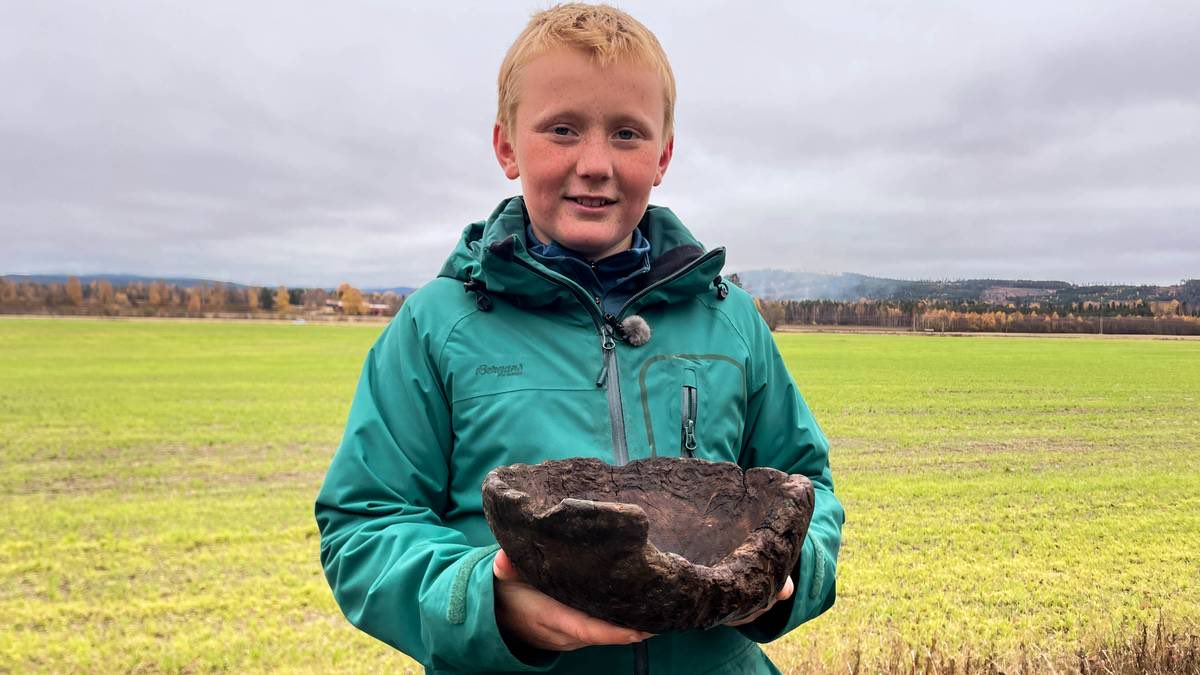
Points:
(117, 280)
(398, 290)
(122, 280)
(786, 285)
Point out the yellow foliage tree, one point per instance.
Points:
(282, 304)
(352, 300)
(772, 312)
(194, 300)
(75, 291)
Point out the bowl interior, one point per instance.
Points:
(700, 517)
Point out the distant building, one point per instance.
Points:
(370, 308)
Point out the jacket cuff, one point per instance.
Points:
(813, 594)
(471, 632)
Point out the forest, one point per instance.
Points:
(1094, 317)
(101, 297)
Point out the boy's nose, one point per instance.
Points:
(594, 161)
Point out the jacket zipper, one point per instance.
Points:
(612, 385)
(608, 347)
(687, 440)
(641, 650)
(608, 343)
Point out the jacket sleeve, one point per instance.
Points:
(781, 433)
(397, 572)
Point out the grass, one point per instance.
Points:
(1006, 495)
(1007, 498)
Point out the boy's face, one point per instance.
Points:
(587, 143)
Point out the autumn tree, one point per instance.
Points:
(104, 293)
(772, 312)
(31, 293)
(74, 291)
(282, 300)
(314, 298)
(352, 300)
(137, 293)
(394, 301)
(195, 300)
(252, 298)
(215, 296)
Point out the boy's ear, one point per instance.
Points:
(505, 153)
(664, 159)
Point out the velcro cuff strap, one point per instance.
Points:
(456, 612)
(818, 572)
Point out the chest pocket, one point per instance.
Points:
(509, 407)
(693, 405)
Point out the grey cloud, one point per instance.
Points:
(263, 143)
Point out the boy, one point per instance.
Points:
(591, 325)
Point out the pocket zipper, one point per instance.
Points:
(688, 437)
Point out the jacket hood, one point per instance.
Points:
(494, 253)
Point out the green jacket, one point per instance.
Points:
(524, 368)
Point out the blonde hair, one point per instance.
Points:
(606, 33)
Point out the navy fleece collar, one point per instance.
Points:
(607, 279)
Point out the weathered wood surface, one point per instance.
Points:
(658, 544)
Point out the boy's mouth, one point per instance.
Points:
(592, 202)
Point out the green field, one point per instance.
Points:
(1003, 494)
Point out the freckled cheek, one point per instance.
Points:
(552, 166)
(641, 168)
(638, 179)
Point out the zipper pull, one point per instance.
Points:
(689, 438)
(607, 343)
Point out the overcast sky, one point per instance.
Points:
(307, 143)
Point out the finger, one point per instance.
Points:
(503, 568)
(592, 631)
(788, 588)
(565, 638)
(748, 619)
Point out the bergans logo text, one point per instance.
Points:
(501, 370)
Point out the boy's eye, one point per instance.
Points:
(626, 134)
(561, 130)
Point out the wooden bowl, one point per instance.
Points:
(657, 544)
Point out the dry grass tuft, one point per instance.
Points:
(1161, 650)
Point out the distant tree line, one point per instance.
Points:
(1128, 317)
(1179, 315)
(158, 298)
(206, 300)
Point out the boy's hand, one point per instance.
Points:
(543, 622)
(784, 594)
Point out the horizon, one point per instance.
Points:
(388, 286)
